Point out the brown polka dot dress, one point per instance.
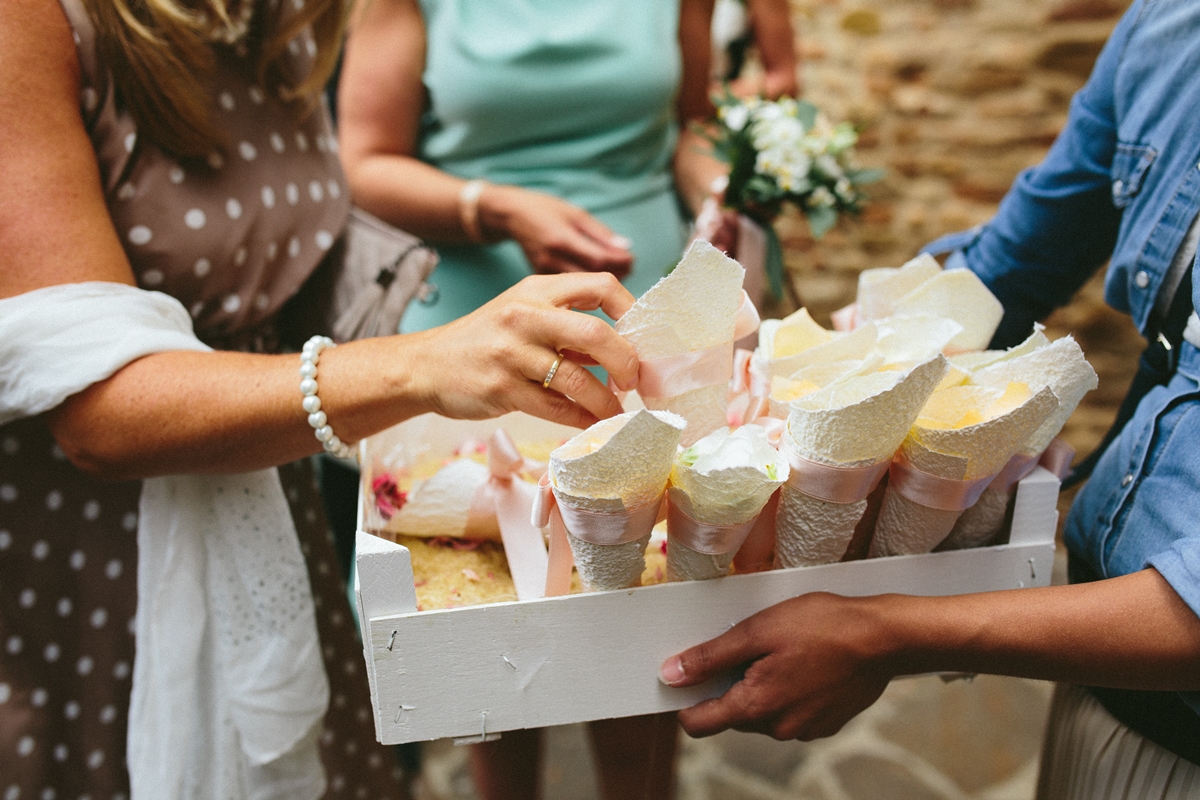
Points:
(232, 238)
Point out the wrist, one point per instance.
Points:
(498, 207)
(895, 634)
(468, 209)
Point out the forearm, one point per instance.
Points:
(695, 169)
(240, 411)
(1129, 632)
(775, 40)
(410, 194)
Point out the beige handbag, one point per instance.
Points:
(382, 269)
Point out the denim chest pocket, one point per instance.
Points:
(1129, 167)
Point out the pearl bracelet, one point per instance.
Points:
(309, 357)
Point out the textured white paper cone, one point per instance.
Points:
(809, 531)
(725, 479)
(980, 524)
(907, 527)
(609, 566)
(618, 464)
(692, 309)
(967, 453)
(858, 422)
(1039, 362)
(441, 504)
(685, 564)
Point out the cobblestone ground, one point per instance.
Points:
(925, 739)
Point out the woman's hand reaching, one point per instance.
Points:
(496, 359)
(555, 235)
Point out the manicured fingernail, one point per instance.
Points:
(621, 242)
(671, 672)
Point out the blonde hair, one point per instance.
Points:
(160, 54)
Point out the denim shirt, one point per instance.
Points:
(1122, 184)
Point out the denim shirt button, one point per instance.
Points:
(1142, 279)
(1128, 479)
(1118, 186)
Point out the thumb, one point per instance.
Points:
(708, 660)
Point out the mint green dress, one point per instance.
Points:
(573, 99)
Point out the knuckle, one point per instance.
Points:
(509, 316)
(592, 332)
(575, 381)
(560, 407)
(697, 661)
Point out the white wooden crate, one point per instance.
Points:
(473, 671)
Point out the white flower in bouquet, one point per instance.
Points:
(787, 152)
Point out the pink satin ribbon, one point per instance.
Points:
(1017, 468)
(830, 483)
(934, 491)
(1056, 458)
(671, 376)
(703, 537)
(845, 319)
(611, 528)
(511, 500)
(741, 371)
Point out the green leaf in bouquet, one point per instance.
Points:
(763, 189)
(821, 220)
(861, 177)
(806, 112)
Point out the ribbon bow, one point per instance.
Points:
(511, 500)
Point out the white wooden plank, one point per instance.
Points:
(383, 586)
(500, 667)
(1035, 511)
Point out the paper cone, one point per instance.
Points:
(617, 465)
(857, 345)
(692, 309)
(441, 505)
(1062, 367)
(724, 479)
(967, 433)
(956, 294)
(851, 424)
(879, 290)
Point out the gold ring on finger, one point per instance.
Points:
(553, 371)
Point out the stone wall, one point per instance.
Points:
(953, 98)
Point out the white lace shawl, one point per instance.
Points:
(228, 685)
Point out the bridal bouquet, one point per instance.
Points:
(782, 152)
